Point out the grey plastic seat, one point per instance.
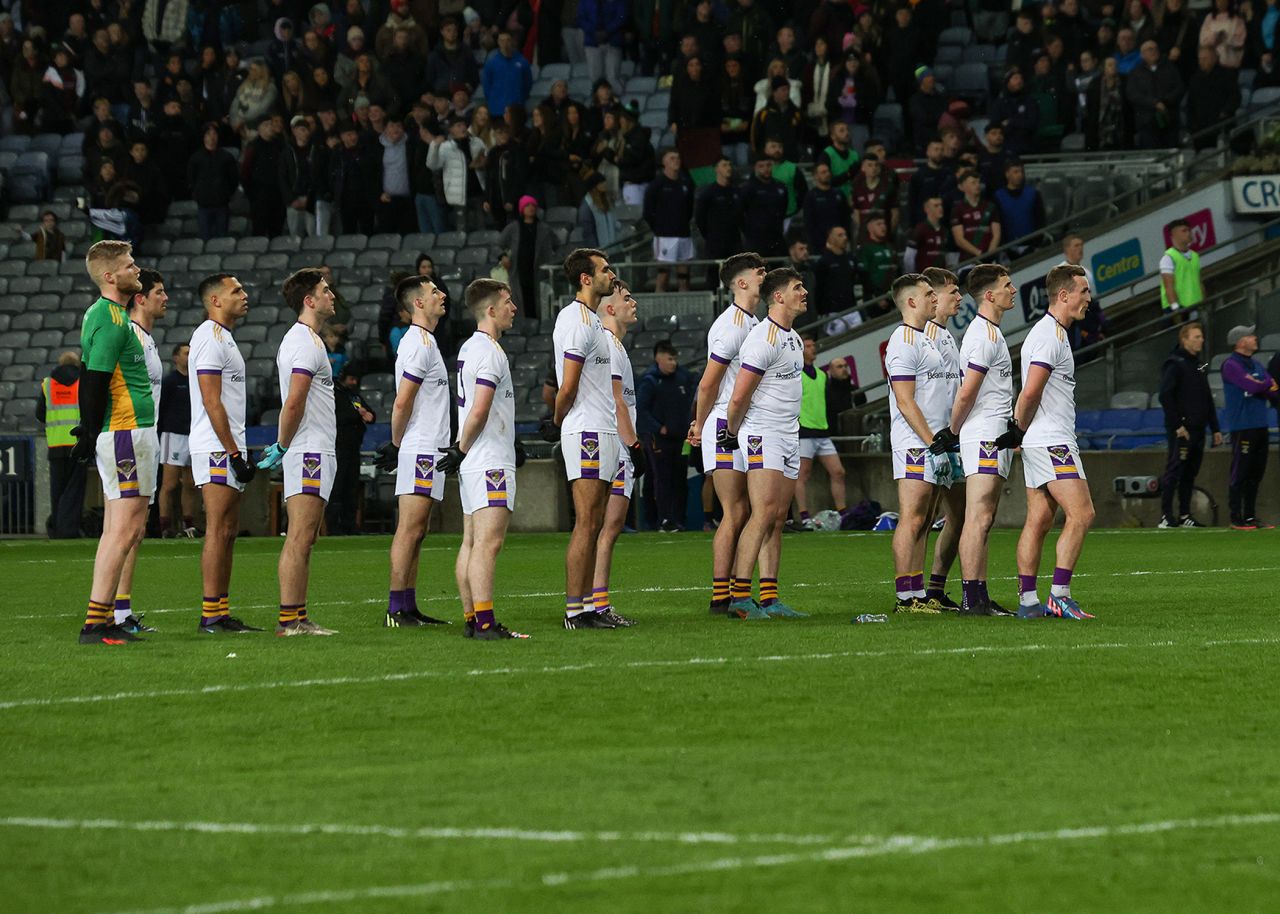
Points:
(339, 260)
(373, 258)
(28, 320)
(172, 263)
(285, 244)
(385, 242)
(220, 246)
(24, 285)
(46, 339)
(351, 243)
(44, 302)
(239, 261)
(59, 320)
(188, 246)
(18, 373)
(13, 268)
(318, 243)
(274, 262)
(251, 332)
(451, 240)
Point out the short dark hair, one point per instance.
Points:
(178, 348)
(938, 277)
(739, 263)
(665, 347)
(1177, 223)
(775, 280)
(902, 283)
(149, 279)
(49, 212)
(299, 285)
(983, 277)
(407, 289)
(417, 264)
(966, 174)
(579, 262)
(210, 284)
(1061, 277)
(481, 293)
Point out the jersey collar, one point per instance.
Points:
(916, 329)
(776, 324)
(936, 324)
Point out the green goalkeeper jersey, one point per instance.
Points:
(109, 344)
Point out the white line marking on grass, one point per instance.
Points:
(884, 847)
(633, 665)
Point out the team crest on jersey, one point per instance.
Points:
(755, 452)
(1064, 462)
(425, 462)
(311, 464)
(988, 458)
(589, 454)
(914, 467)
(495, 482)
(126, 467)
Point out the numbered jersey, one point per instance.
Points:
(1047, 346)
(302, 354)
(912, 356)
(724, 343)
(777, 355)
(579, 337)
(483, 363)
(418, 361)
(985, 351)
(214, 352)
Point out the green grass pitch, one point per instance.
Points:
(690, 764)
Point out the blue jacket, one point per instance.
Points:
(664, 399)
(506, 80)
(608, 16)
(1248, 391)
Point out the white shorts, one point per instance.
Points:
(1043, 464)
(716, 458)
(914, 463)
(308, 473)
(816, 447)
(585, 453)
(672, 250)
(771, 452)
(624, 481)
(128, 461)
(487, 489)
(175, 449)
(214, 469)
(416, 474)
(983, 458)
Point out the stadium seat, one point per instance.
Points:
(188, 246)
(42, 268)
(172, 263)
(641, 85)
(318, 243)
(25, 321)
(339, 260)
(46, 339)
(654, 120)
(971, 80)
(17, 373)
(24, 285)
(950, 55)
(285, 244)
(473, 256)
(220, 246)
(957, 35)
(944, 73)
(253, 244)
(274, 262)
(351, 243)
(59, 285)
(1130, 400)
(1264, 98)
(552, 71)
(69, 170)
(451, 240)
(384, 242)
(15, 143)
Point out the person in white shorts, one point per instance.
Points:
(919, 403)
(815, 436)
(116, 430)
(218, 465)
(1045, 418)
(763, 419)
(306, 442)
(617, 315)
(178, 493)
(741, 275)
(982, 411)
(485, 456)
(668, 203)
(146, 306)
(586, 422)
(419, 434)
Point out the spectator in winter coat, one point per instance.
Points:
(975, 222)
(1018, 112)
(636, 164)
(1021, 208)
(254, 99)
(927, 246)
(872, 190)
(716, 214)
(763, 203)
(531, 245)
(460, 159)
(668, 208)
(1225, 31)
(929, 180)
(927, 106)
(451, 63)
(836, 276)
(283, 51)
(1213, 96)
(1108, 119)
(304, 182)
(368, 87)
(1155, 91)
(664, 400)
(778, 120)
(259, 173)
(506, 176)
(824, 207)
(603, 24)
(507, 77)
(357, 181)
(213, 179)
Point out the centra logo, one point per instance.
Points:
(1124, 265)
(1117, 265)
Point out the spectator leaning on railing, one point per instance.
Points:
(1188, 408)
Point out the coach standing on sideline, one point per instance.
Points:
(664, 402)
(1248, 389)
(1188, 408)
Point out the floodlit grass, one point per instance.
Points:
(688, 764)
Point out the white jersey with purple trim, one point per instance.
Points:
(912, 356)
(214, 352)
(482, 362)
(418, 361)
(621, 370)
(579, 336)
(724, 345)
(302, 352)
(155, 368)
(984, 350)
(943, 339)
(1055, 420)
(777, 355)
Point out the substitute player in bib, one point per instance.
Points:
(145, 308)
(588, 425)
(741, 275)
(919, 403)
(764, 419)
(218, 465)
(1045, 425)
(306, 442)
(949, 497)
(485, 456)
(419, 434)
(117, 429)
(978, 418)
(617, 316)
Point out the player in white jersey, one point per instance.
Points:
(419, 434)
(485, 456)
(919, 403)
(1045, 418)
(763, 419)
(145, 308)
(586, 423)
(218, 464)
(618, 315)
(948, 498)
(306, 441)
(982, 411)
(741, 275)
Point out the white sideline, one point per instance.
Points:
(884, 847)
(634, 665)
(452, 598)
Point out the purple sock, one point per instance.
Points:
(1026, 583)
(411, 598)
(917, 581)
(972, 592)
(937, 585)
(395, 601)
(804, 516)
(1061, 582)
(902, 585)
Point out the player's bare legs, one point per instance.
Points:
(222, 524)
(982, 498)
(770, 493)
(306, 514)
(615, 515)
(952, 503)
(487, 531)
(589, 497)
(462, 565)
(915, 497)
(124, 523)
(731, 490)
(406, 544)
(172, 496)
(802, 482)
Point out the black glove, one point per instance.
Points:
(726, 440)
(388, 456)
(451, 460)
(639, 462)
(85, 450)
(549, 430)
(244, 472)
(521, 456)
(944, 441)
(1011, 438)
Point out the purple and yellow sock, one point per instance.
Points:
(572, 606)
(289, 615)
(1061, 586)
(484, 615)
(124, 607)
(937, 585)
(768, 591)
(210, 610)
(600, 598)
(719, 590)
(902, 586)
(469, 615)
(302, 613)
(917, 584)
(739, 590)
(98, 614)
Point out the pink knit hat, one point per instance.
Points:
(525, 201)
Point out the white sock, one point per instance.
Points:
(121, 615)
(1060, 590)
(1028, 598)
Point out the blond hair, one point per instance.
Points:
(103, 257)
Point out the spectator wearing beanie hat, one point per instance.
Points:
(927, 107)
(779, 120)
(531, 245)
